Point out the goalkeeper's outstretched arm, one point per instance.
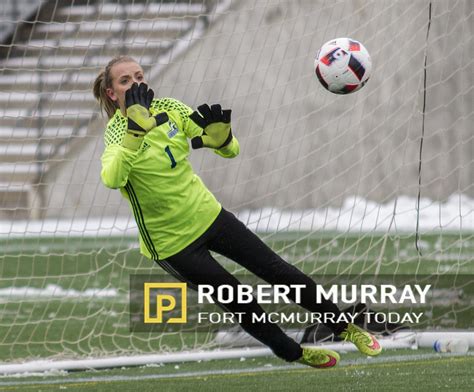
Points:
(117, 161)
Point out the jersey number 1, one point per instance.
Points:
(170, 155)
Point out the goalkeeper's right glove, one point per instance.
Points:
(137, 102)
(215, 123)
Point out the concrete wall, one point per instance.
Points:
(302, 147)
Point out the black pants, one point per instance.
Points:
(231, 238)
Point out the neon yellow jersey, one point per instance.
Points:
(171, 204)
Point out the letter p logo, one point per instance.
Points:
(164, 302)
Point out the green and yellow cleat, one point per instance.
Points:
(319, 357)
(364, 341)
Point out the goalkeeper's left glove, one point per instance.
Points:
(216, 125)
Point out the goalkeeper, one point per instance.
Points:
(179, 219)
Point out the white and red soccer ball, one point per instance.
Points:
(343, 65)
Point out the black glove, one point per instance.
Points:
(216, 125)
(137, 102)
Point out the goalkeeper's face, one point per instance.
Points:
(123, 75)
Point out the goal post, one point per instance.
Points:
(337, 185)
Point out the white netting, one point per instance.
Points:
(329, 181)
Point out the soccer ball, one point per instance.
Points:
(343, 65)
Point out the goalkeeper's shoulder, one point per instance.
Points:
(178, 112)
(173, 107)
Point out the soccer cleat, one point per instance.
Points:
(319, 357)
(364, 341)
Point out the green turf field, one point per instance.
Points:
(42, 325)
(398, 370)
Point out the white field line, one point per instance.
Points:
(55, 291)
(217, 372)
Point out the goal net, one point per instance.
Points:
(378, 183)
